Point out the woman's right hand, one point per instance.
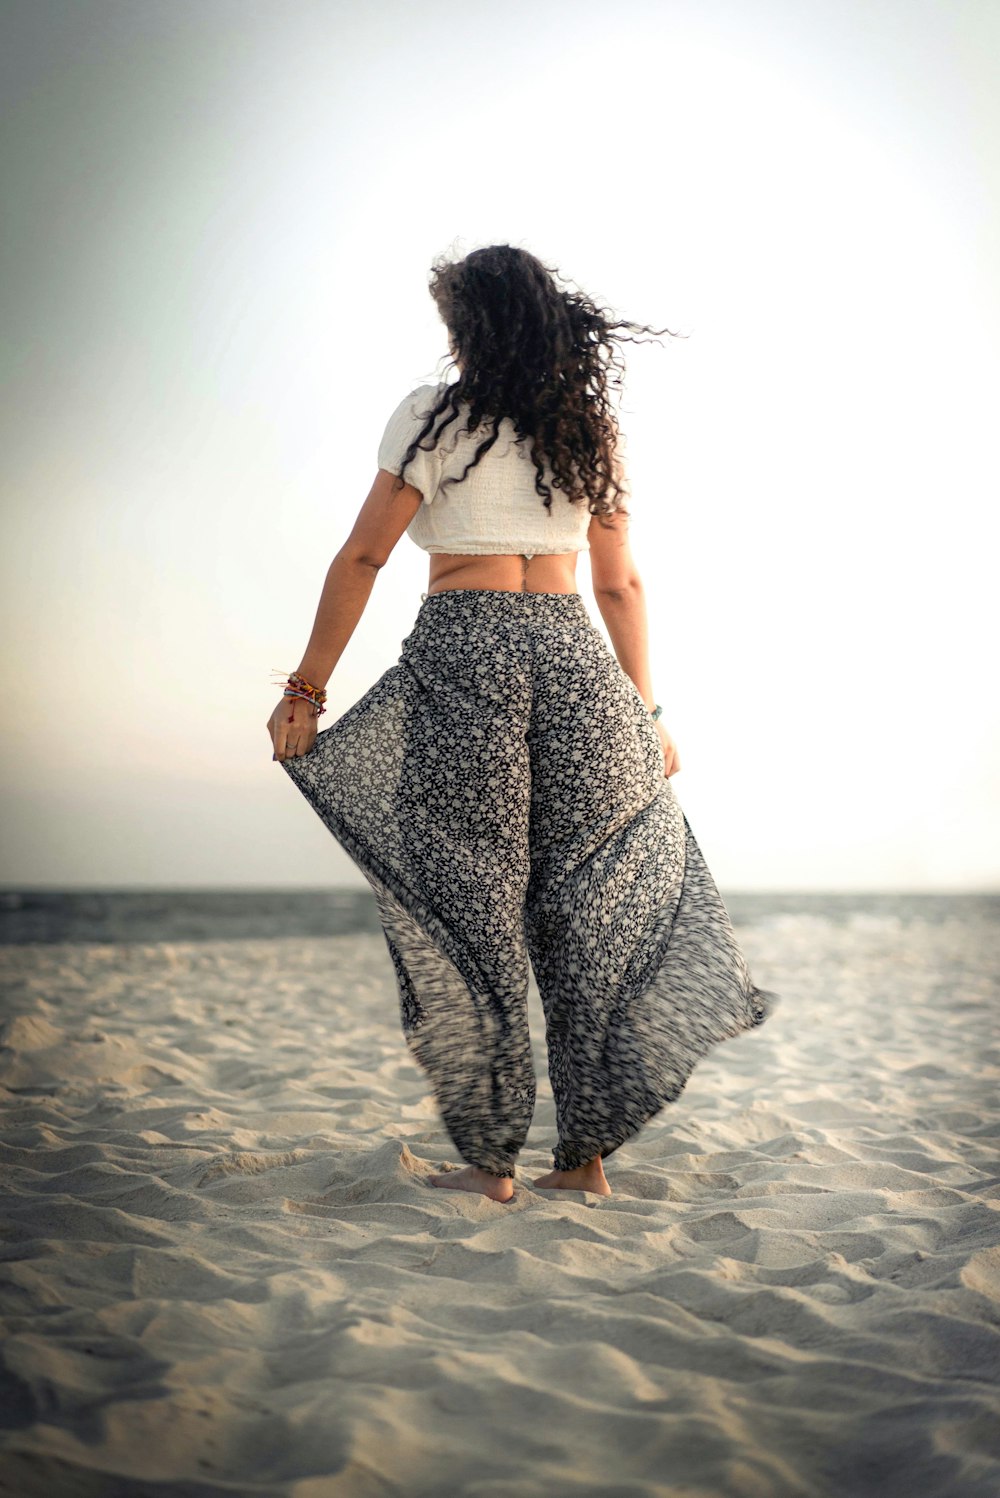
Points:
(671, 758)
(293, 726)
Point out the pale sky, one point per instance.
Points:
(219, 219)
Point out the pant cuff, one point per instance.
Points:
(503, 1173)
(570, 1156)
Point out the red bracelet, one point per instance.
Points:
(297, 686)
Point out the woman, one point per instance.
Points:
(505, 787)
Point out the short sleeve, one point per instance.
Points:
(424, 469)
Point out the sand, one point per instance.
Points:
(223, 1270)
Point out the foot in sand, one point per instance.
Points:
(497, 1188)
(589, 1177)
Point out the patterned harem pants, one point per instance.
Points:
(502, 789)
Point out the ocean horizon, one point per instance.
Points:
(191, 913)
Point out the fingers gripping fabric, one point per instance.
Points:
(502, 790)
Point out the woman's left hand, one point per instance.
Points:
(293, 726)
(671, 758)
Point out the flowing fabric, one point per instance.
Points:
(501, 788)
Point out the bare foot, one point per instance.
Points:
(497, 1188)
(589, 1177)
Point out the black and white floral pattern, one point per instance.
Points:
(501, 787)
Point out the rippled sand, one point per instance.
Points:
(223, 1270)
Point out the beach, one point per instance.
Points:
(223, 1270)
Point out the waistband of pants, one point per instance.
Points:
(567, 601)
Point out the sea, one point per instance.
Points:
(191, 914)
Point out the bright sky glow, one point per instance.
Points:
(220, 220)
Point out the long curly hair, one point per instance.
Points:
(543, 357)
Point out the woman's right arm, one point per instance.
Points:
(621, 598)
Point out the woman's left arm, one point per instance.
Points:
(350, 578)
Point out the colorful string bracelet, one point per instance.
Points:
(297, 686)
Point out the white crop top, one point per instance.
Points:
(495, 509)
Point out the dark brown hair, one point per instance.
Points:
(539, 355)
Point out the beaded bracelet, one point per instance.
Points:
(304, 698)
(297, 686)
